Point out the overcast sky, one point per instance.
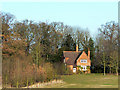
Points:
(81, 14)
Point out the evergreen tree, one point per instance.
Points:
(92, 48)
(69, 43)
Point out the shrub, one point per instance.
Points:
(49, 71)
(59, 68)
(21, 72)
(79, 71)
(68, 72)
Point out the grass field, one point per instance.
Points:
(87, 81)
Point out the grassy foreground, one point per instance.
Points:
(87, 81)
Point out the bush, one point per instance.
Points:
(40, 74)
(21, 73)
(59, 68)
(68, 71)
(49, 71)
(79, 71)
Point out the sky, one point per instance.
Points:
(89, 15)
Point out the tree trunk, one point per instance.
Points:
(6, 81)
(104, 62)
(117, 69)
(110, 69)
(104, 67)
(37, 58)
(27, 83)
(17, 84)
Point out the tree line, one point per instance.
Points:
(33, 51)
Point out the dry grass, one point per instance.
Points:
(42, 85)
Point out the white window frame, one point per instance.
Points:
(84, 68)
(83, 60)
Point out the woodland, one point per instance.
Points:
(33, 51)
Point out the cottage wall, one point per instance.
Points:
(83, 56)
(70, 67)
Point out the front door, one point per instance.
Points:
(74, 70)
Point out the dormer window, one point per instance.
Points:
(83, 61)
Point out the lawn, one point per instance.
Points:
(87, 81)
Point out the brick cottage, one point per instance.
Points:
(77, 60)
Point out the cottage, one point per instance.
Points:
(77, 60)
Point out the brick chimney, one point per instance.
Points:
(76, 47)
(88, 53)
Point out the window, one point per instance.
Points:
(84, 68)
(83, 61)
(74, 70)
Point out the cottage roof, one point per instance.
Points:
(72, 56)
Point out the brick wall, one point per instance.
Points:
(84, 56)
(70, 67)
